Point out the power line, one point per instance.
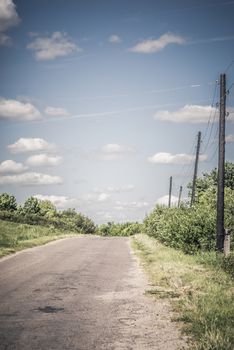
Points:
(214, 154)
(184, 165)
(189, 170)
(211, 130)
(229, 88)
(215, 138)
(211, 111)
(229, 66)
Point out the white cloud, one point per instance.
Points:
(168, 158)
(30, 179)
(151, 45)
(114, 151)
(113, 148)
(165, 199)
(16, 110)
(4, 39)
(44, 160)
(102, 197)
(49, 48)
(96, 198)
(61, 202)
(114, 39)
(229, 138)
(119, 189)
(131, 205)
(10, 166)
(187, 114)
(30, 145)
(56, 112)
(8, 18)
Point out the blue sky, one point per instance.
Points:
(101, 102)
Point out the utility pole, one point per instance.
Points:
(221, 165)
(170, 189)
(195, 168)
(180, 193)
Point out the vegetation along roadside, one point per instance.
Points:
(15, 236)
(200, 291)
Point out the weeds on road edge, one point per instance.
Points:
(200, 292)
(15, 237)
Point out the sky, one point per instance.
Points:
(102, 101)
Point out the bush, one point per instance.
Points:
(7, 202)
(190, 229)
(228, 264)
(125, 229)
(32, 206)
(78, 223)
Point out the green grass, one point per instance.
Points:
(15, 237)
(201, 293)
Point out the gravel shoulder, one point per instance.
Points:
(81, 293)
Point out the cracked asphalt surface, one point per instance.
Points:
(81, 293)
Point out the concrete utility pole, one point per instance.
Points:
(170, 189)
(195, 168)
(180, 193)
(221, 166)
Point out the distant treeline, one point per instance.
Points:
(44, 213)
(190, 229)
(123, 229)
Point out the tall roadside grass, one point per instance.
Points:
(14, 236)
(199, 289)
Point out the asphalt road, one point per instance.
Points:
(80, 293)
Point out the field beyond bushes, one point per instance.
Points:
(15, 237)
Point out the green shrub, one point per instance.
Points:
(78, 223)
(7, 202)
(124, 229)
(190, 229)
(32, 206)
(228, 264)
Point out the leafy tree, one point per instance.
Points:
(69, 213)
(7, 202)
(211, 179)
(32, 206)
(86, 224)
(47, 208)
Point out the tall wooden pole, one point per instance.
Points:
(195, 168)
(170, 190)
(180, 193)
(221, 166)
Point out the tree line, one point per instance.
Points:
(190, 229)
(44, 213)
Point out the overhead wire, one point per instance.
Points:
(189, 171)
(211, 130)
(230, 87)
(207, 133)
(183, 166)
(229, 66)
(214, 154)
(211, 111)
(214, 141)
